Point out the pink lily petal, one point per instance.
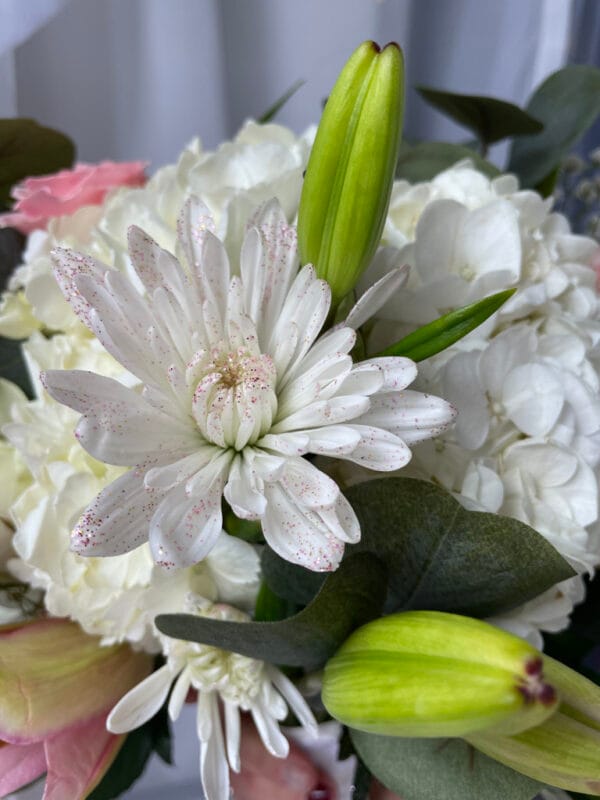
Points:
(78, 759)
(53, 675)
(20, 765)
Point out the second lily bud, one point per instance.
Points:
(428, 673)
(349, 177)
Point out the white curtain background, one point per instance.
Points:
(137, 79)
(131, 79)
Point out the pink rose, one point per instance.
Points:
(41, 198)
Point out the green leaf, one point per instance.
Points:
(431, 769)
(269, 606)
(441, 556)
(445, 331)
(350, 597)
(280, 102)
(26, 149)
(133, 756)
(290, 581)
(567, 103)
(489, 118)
(12, 365)
(423, 161)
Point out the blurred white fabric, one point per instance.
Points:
(131, 79)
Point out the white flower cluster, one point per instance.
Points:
(526, 384)
(48, 478)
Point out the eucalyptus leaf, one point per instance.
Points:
(432, 769)
(423, 161)
(489, 118)
(273, 110)
(294, 583)
(567, 103)
(441, 556)
(12, 365)
(445, 331)
(350, 597)
(27, 148)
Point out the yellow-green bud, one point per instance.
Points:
(564, 750)
(350, 172)
(428, 673)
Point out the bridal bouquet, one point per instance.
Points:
(304, 431)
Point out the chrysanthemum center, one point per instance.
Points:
(234, 400)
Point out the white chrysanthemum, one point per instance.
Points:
(237, 389)
(526, 383)
(227, 684)
(263, 161)
(115, 598)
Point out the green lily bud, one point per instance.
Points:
(428, 673)
(563, 751)
(350, 172)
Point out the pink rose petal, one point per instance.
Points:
(39, 199)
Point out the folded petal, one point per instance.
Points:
(45, 665)
(79, 758)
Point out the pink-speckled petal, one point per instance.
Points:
(68, 266)
(306, 306)
(324, 412)
(412, 416)
(79, 758)
(297, 534)
(309, 486)
(20, 765)
(268, 267)
(398, 372)
(118, 426)
(118, 519)
(189, 520)
(378, 449)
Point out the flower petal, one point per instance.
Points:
(47, 663)
(142, 702)
(79, 758)
(117, 520)
(378, 449)
(213, 762)
(118, 426)
(184, 528)
(297, 534)
(20, 765)
(376, 296)
(412, 416)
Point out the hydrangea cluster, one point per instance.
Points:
(526, 383)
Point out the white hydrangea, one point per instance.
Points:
(262, 162)
(115, 598)
(527, 440)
